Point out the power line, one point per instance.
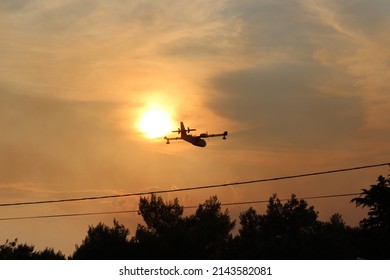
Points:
(66, 215)
(196, 188)
(185, 207)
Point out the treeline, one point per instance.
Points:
(289, 230)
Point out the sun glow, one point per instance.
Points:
(155, 123)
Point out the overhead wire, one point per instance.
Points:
(195, 188)
(184, 207)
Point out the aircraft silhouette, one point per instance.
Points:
(193, 139)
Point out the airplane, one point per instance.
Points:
(193, 139)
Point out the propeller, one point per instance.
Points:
(190, 129)
(187, 130)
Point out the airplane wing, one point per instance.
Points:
(172, 138)
(206, 135)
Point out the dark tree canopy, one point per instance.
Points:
(163, 231)
(374, 240)
(282, 233)
(14, 251)
(377, 200)
(335, 240)
(210, 230)
(158, 215)
(104, 242)
(168, 235)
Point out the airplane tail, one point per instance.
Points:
(183, 130)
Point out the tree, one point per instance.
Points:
(250, 239)
(377, 199)
(169, 235)
(163, 236)
(160, 216)
(335, 240)
(104, 243)
(14, 251)
(284, 232)
(49, 254)
(210, 230)
(374, 239)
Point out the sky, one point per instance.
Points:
(301, 86)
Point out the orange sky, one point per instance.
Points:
(301, 86)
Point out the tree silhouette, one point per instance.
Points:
(104, 243)
(163, 236)
(210, 231)
(49, 254)
(377, 199)
(14, 251)
(250, 239)
(335, 240)
(158, 215)
(168, 235)
(374, 239)
(284, 232)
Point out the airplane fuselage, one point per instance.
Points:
(194, 140)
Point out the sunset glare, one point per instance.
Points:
(155, 123)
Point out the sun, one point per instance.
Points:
(155, 123)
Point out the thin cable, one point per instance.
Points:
(66, 215)
(185, 207)
(196, 188)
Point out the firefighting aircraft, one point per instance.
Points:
(193, 139)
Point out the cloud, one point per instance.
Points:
(283, 106)
(353, 17)
(50, 140)
(356, 43)
(314, 75)
(11, 6)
